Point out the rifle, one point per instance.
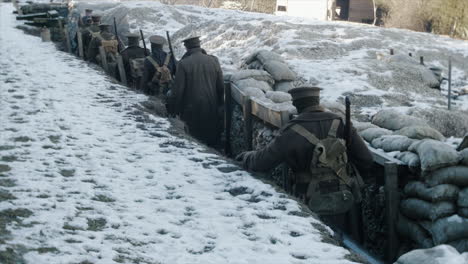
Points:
(144, 43)
(170, 46)
(119, 46)
(348, 121)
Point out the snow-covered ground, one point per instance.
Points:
(87, 177)
(340, 57)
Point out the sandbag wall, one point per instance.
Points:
(433, 207)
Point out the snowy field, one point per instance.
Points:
(341, 57)
(87, 177)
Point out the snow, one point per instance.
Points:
(107, 182)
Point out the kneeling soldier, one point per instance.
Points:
(312, 145)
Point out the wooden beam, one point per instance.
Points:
(227, 118)
(248, 129)
(392, 202)
(273, 117)
(122, 73)
(80, 44)
(381, 158)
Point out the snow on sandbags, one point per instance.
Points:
(286, 106)
(245, 83)
(279, 71)
(449, 123)
(448, 229)
(420, 132)
(414, 231)
(391, 143)
(373, 133)
(456, 175)
(361, 126)
(443, 192)
(434, 154)
(278, 97)
(410, 159)
(264, 56)
(253, 92)
(392, 120)
(283, 86)
(419, 210)
(334, 107)
(462, 200)
(443, 254)
(258, 75)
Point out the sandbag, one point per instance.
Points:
(420, 132)
(449, 123)
(373, 133)
(264, 56)
(255, 65)
(461, 246)
(463, 198)
(258, 75)
(286, 106)
(418, 209)
(361, 126)
(253, 92)
(279, 71)
(434, 154)
(457, 175)
(278, 97)
(391, 143)
(243, 84)
(443, 192)
(442, 254)
(463, 211)
(447, 229)
(391, 119)
(283, 86)
(429, 79)
(464, 157)
(334, 107)
(415, 232)
(409, 158)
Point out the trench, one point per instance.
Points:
(372, 236)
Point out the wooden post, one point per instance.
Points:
(285, 175)
(80, 44)
(392, 52)
(450, 84)
(66, 37)
(392, 202)
(421, 60)
(227, 117)
(247, 110)
(102, 54)
(122, 73)
(410, 54)
(355, 220)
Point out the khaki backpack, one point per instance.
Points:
(110, 46)
(162, 74)
(333, 184)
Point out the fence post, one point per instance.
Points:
(391, 205)
(80, 44)
(450, 84)
(122, 73)
(247, 110)
(227, 117)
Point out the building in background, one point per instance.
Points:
(361, 11)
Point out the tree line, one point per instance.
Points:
(445, 17)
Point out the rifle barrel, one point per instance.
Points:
(144, 43)
(348, 121)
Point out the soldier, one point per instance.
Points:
(87, 33)
(107, 40)
(83, 29)
(312, 146)
(133, 51)
(88, 14)
(159, 68)
(198, 92)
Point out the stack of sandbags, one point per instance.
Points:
(244, 79)
(443, 254)
(275, 65)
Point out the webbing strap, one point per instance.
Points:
(306, 134)
(334, 128)
(155, 64)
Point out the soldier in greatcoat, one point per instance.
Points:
(87, 33)
(198, 92)
(103, 37)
